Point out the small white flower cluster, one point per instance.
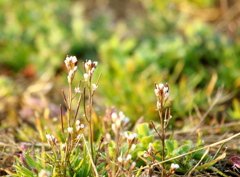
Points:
(79, 126)
(51, 139)
(149, 153)
(64, 147)
(71, 64)
(173, 168)
(77, 90)
(131, 139)
(162, 90)
(124, 160)
(130, 136)
(94, 86)
(70, 130)
(90, 66)
(118, 120)
(89, 69)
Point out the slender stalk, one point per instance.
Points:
(69, 103)
(61, 117)
(76, 113)
(160, 112)
(68, 141)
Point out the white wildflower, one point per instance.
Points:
(94, 87)
(70, 130)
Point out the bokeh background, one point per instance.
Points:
(193, 45)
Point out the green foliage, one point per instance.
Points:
(174, 149)
(161, 46)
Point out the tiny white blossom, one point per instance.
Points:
(120, 159)
(133, 165)
(165, 89)
(129, 157)
(161, 85)
(130, 136)
(95, 63)
(174, 166)
(90, 66)
(133, 146)
(79, 127)
(64, 146)
(94, 87)
(69, 79)
(146, 154)
(51, 138)
(114, 117)
(118, 123)
(70, 130)
(126, 120)
(75, 69)
(77, 90)
(86, 77)
(48, 136)
(77, 122)
(70, 62)
(166, 95)
(108, 137)
(121, 115)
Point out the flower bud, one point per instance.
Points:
(70, 130)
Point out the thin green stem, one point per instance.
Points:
(160, 112)
(90, 115)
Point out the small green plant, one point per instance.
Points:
(117, 151)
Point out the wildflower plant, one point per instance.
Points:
(117, 151)
(162, 94)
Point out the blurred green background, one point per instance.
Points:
(193, 45)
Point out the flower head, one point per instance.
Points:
(94, 86)
(70, 130)
(77, 90)
(86, 77)
(90, 66)
(51, 139)
(70, 62)
(173, 168)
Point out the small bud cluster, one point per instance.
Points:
(89, 67)
(71, 64)
(64, 147)
(131, 137)
(124, 160)
(51, 139)
(173, 168)
(149, 153)
(77, 90)
(79, 126)
(70, 130)
(162, 91)
(118, 120)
